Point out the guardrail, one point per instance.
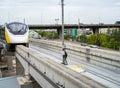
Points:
(50, 74)
(105, 58)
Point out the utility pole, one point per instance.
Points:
(78, 23)
(63, 45)
(62, 6)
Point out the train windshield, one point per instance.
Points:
(17, 28)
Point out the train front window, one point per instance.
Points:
(17, 28)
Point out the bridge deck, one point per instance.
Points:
(68, 26)
(50, 74)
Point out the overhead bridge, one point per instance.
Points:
(50, 74)
(69, 26)
(94, 27)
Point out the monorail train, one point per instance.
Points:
(13, 34)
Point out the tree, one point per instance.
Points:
(112, 43)
(92, 39)
(82, 38)
(66, 37)
(102, 40)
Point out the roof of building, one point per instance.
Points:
(9, 82)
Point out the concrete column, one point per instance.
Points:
(9, 62)
(19, 68)
(95, 30)
(59, 31)
(35, 84)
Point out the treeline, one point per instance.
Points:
(109, 40)
(48, 35)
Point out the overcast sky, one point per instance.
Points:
(46, 11)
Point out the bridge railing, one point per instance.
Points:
(50, 74)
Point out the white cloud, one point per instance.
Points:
(46, 11)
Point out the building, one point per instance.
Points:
(33, 34)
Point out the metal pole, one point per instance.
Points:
(78, 23)
(62, 6)
(63, 45)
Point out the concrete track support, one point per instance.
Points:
(95, 30)
(50, 74)
(19, 68)
(59, 31)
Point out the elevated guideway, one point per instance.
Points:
(105, 58)
(78, 63)
(50, 74)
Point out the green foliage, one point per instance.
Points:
(55, 36)
(109, 40)
(92, 39)
(82, 38)
(48, 35)
(66, 37)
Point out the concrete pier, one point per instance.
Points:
(19, 68)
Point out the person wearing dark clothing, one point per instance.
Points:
(64, 57)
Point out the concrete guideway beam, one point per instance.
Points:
(105, 58)
(50, 74)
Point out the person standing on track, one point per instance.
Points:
(64, 53)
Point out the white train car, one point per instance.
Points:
(13, 34)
